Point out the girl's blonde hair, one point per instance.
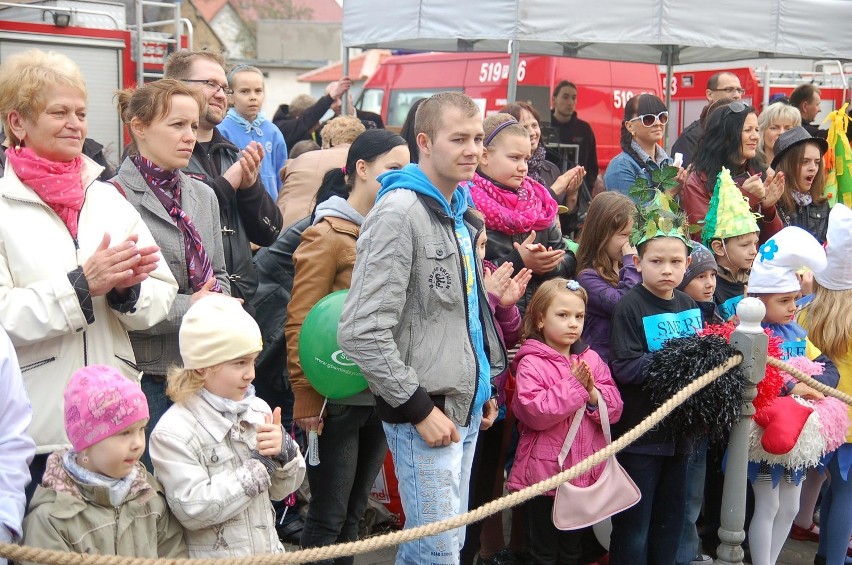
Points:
(541, 301)
(26, 77)
(608, 214)
(493, 121)
(183, 383)
(829, 321)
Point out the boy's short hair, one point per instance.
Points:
(428, 119)
(237, 69)
(640, 249)
(299, 104)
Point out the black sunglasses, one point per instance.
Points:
(735, 107)
(649, 120)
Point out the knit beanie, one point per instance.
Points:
(99, 403)
(702, 260)
(215, 330)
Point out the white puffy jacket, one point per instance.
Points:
(39, 307)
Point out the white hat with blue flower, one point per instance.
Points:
(774, 268)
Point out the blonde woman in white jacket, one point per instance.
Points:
(78, 267)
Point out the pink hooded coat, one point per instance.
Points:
(546, 397)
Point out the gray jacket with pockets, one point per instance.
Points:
(405, 319)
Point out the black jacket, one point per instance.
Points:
(812, 218)
(687, 143)
(275, 272)
(248, 215)
(299, 128)
(579, 132)
(501, 248)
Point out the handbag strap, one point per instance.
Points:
(575, 427)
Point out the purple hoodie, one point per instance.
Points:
(603, 297)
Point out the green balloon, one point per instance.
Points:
(327, 368)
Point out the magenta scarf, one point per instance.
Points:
(59, 185)
(530, 208)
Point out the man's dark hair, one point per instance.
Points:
(562, 84)
(803, 93)
(713, 81)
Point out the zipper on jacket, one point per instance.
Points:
(117, 516)
(37, 364)
(467, 324)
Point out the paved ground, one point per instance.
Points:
(794, 553)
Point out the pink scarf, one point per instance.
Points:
(59, 185)
(530, 208)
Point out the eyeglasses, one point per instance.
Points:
(729, 90)
(649, 120)
(213, 85)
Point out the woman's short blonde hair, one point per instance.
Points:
(778, 112)
(182, 383)
(25, 79)
(341, 130)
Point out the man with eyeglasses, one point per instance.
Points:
(247, 213)
(721, 86)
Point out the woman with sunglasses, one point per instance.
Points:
(730, 140)
(645, 117)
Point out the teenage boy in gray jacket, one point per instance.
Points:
(417, 323)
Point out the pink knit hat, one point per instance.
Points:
(100, 402)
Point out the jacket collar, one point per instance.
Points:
(214, 422)
(130, 178)
(217, 142)
(14, 188)
(342, 225)
(58, 484)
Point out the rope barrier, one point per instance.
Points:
(52, 557)
(809, 380)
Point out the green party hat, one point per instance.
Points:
(729, 214)
(657, 214)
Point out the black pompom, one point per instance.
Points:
(712, 410)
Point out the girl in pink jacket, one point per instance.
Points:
(556, 374)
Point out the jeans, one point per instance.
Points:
(352, 449)
(154, 387)
(835, 514)
(433, 485)
(650, 531)
(696, 470)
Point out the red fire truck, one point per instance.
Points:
(688, 89)
(603, 87)
(94, 34)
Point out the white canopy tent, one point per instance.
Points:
(665, 32)
(647, 31)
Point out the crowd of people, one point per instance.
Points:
(503, 312)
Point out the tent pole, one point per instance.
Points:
(668, 87)
(344, 100)
(514, 53)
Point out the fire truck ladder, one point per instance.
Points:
(826, 74)
(145, 31)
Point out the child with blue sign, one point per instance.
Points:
(731, 233)
(777, 486)
(645, 318)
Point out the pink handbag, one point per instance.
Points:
(577, 507)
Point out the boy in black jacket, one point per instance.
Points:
(648, 316)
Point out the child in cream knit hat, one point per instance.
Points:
(220, 451)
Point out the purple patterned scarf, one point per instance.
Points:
(198, 265)
(535, 163)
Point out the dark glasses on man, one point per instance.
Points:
(650, 119)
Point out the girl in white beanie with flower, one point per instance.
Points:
(220, 451)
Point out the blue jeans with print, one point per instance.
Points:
(433, 485)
